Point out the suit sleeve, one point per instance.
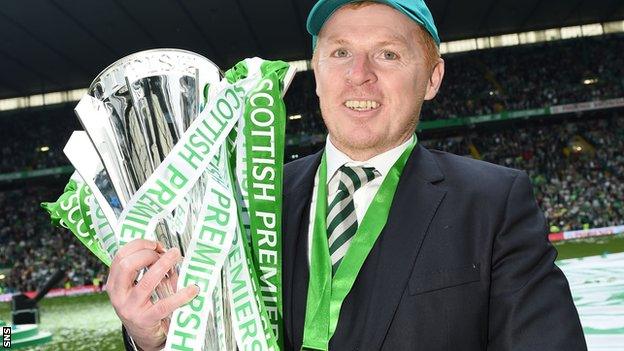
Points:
(531, 307)
(128, 343)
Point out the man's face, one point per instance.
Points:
(371, 78)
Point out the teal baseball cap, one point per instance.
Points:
(417, 10)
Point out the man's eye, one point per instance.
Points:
(341, 53)
(389, 55)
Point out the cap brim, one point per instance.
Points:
(321, 12)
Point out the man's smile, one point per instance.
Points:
(362, 105)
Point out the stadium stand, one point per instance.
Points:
(475, 83)
(575, 161)
(577, 168)
(25, 132)
(33, 249)
(532, 76)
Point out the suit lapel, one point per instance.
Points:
(297, 196)
(415, 204)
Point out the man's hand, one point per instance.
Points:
(144, 321)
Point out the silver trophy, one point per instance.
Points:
(146, 102)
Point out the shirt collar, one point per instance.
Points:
(382, 162)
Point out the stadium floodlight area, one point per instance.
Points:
(532, 37)
(47, 99)
(513, 39)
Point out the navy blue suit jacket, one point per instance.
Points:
(463, 263)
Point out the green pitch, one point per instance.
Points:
(590, 247)
(594, 267)
(85, 322)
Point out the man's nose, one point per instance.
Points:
(361, 71)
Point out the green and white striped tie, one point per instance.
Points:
(341, 219)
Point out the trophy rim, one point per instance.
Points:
(139, 53)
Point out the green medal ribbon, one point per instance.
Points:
(326, 295)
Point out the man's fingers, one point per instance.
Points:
(155, 274)
(173, 279)
(126, 270)
(164, 307)
(135, 245)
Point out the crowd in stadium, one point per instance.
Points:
(34, 249)
(577, 167)
(576, 188)
(526, 77)
(475, 83)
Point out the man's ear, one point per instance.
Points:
(433, 85)
(314, 62)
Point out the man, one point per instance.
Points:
(388, 245)
(463, 261)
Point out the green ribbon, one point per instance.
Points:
(317, 319)
(326, 294)
(264, 132)
(72, 211)
(263, 146)
(267, 254)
